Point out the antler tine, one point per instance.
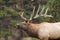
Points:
(40, 14)
(45, 15)
(22, 16)
(32, 13)
(46, 11)
(37, 12)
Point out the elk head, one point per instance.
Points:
(38, 14)
(30, 27)
(26, 25)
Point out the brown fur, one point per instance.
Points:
(44, 30)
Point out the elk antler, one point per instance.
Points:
(37, 15)
(40, 14)
(22, 16)
(32, 13)
(45, 15)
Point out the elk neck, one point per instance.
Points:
(33, 28)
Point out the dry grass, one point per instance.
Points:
(29, 38)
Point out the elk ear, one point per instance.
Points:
(26, 21)
(30, 21)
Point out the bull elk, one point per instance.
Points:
(44, 30)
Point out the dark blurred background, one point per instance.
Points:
(9, 13)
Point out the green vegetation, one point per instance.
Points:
(5, 32)
(9, 11)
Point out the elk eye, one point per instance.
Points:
(24, 24)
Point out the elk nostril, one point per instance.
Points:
(18, 26)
